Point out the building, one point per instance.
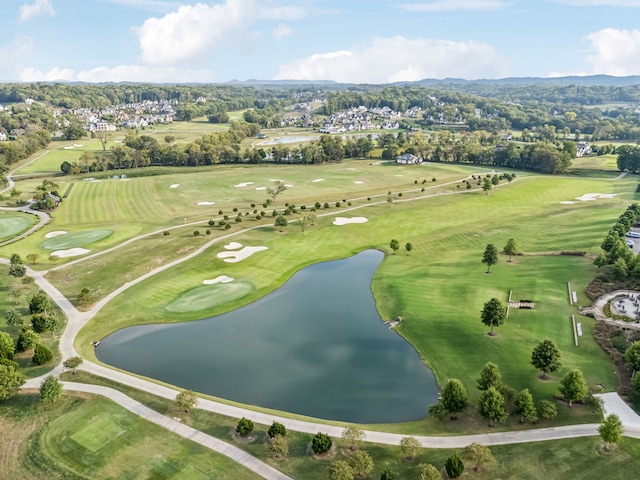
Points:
(583, 149)
(408, 159)
(3, 136)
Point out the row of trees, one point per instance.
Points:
(616, 260)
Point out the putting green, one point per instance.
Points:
(12, 226)
(208, 296)
(75, 239)
(97, 434)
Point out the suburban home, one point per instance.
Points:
(582, 149)
(54, 198)
(408, 159)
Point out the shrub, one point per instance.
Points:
(338, 204)
(317, 204)
(42, 323)
(433, 179)
(277, 428)
(321, 443)
(227, 226)
(547, 409)
(166, 233)
(349, 203)
(196, 233)
(422, 189)
(235, 209)
(399, 194)
(244, 427)
(238, 219)
(454, 466)
(208, 232)
(220, 212)
(41, 355)
(253, 205)
(326, 205)
(212, 223)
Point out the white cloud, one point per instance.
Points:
(155, 5)
(39, 7)
(120, 73)
(448, 5)
(601, 3)
(386, 60)
(191, 32)
(616, 52)
(16, 51)
(282, 31)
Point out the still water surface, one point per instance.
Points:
(316, 346)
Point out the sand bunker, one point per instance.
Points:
(175, 185)
(288, 185)
(235, 257)
(317, 180)
(589, 197)
(95, 181)
(567, 202)
(352, 169)
(399, 175)
(275, 180)
(78, 145)
(72, 252)
(243, 184)
(358, 182)
(205, 203)
(346, 221)
(55, 234)
(70, 147)
(261, 188)
(233, 246)
(220, 279)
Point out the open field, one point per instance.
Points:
(92, 437)
(588, 166)
(441, 295)
(14, 223)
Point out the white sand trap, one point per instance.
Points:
(317, 180)
(359, 182)
(567, 202)
(235, 257)
(70, 147)
(220, 279)
(399, 175)
(347, 221)
(243, 184)
(351, 169)
(95, 181)
(78, 145)
(261, 188)
(205, 203)
(55, 234)
(289, 185)
(117, 141)
(233, 246)
(275, 180)
(175, 185)
(72, 252)
(590, 197)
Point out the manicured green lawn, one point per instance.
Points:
(75, 239)
(14, 223)
(92, 437)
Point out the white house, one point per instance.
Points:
(408, 159)
(582, 149)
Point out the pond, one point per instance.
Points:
(283, 140)
(316, 346)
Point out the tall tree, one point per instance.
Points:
(281, 222)
(525, 406)
(511, 248)
(490, 256)
(454, 397)
(573, 387)
(491, 406)
(493, 314)
(50, 389)
(489, 377)
(610, 431)
(546, 357)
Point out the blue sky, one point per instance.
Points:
(349, 41)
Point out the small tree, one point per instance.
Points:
(491, 406)
(27, 339)
(610, 431)
(489, 377)
(11, 379)
(281, 222)
(361, 463)
(486, 185)
(7, 347)
(490, 256)
(428, 472)
(479, 456)
(39, 303)
(276, 429)
(33, 258)
(408, 247)
(410, 447)
(73, 363)
(632, 356)
(389, 200)
(454, 466)
(547, 409)
(546, 357)
(50, 389)
(15, 259)
(13, 317)
(454, 397)
(17, 270)
(321, 443)
(85, 297)
(244, 427)
(186, 400)
(277, 188)
(511, 248)
(388, 474)
(525, 407)
(353, 435)
(41, 355)
(438, 411)
(278, 446)
(340, 470)
(573, 387)
(493, 314)
(394, 245)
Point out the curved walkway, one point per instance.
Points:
(596, 310)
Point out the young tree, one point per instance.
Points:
(479, 456)
(454, 466)
(491, 406)
(244, 427)
(17, 270)
(486, 185)
(7, 347)
(489, 377)
(438, 411)
(277, 188)
(610, 431)
(428, 472)
(388, 474)
(394, 245)
(321, 443)
(50, 389)
(33, 258)
(632, 356)
(340, 470)
(278, 446)
(27, 339)
(186, 400)
(546, 357)
(493, 314)
(410, 447)
(276, 429)
(15, 259)
(525, 406)
(73, 363)
(511, 248)
(454, 397)
(281, 222)
(490, 256)
(11, 379)
(41, 355)
(353, 435)
(408, 247)
(389, 200)
(85, 297)
(547, 409)
(39, 303)
(13, 317)
(573, 387)
(361, 463)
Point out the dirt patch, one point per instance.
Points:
(244, 440)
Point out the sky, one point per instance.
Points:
(357, 41)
